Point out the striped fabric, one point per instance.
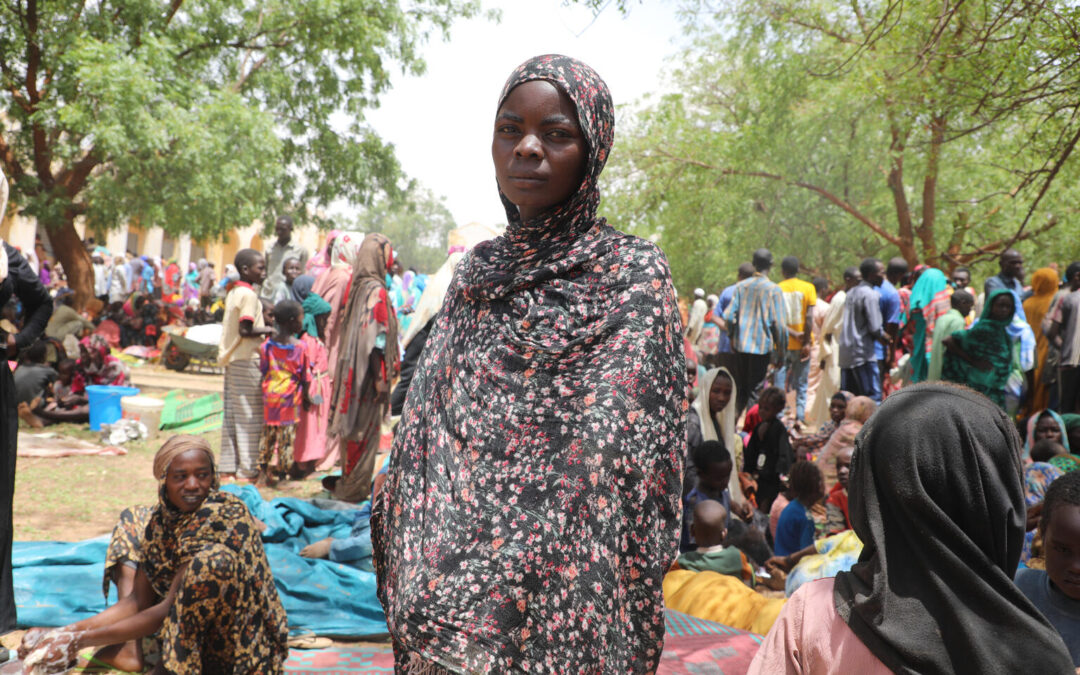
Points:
(242, 425)
(757, 308)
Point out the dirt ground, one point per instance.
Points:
(75, 498)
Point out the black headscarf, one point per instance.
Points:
(532, 502)
(937, 498)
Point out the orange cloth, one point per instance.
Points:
(1044, 284)
(720, 598)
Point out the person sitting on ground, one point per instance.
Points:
(713, 468)
(807, 447)
(66, 321)
(769, 455)
(33, 378)
(710, 531)
(285, 367)
(1055, 591)
(99, 366)
(1046, 425)
(837, 515)
(1037, 479)
(795, 529)
(712, 417)
(68, 401)
(1046, 449)
(354, 550)
(859, 410)
(931, 592)
(203, 583)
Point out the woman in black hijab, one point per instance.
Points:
(18, 280)
(532, 503)
(937, 498)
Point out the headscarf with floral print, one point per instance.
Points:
(525, 523)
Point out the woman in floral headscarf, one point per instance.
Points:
(98, 365)
(533, 493)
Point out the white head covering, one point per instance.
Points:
(726, 432)
(346, 248)
(699, 292)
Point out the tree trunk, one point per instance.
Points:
(71, 252)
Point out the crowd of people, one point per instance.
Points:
(894, 454)
(805, 367)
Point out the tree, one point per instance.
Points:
(943, 131)
(417, 224)
(198, 117)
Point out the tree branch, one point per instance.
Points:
(847, 207)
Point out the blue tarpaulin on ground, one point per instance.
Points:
(57, 583)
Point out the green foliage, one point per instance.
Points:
(201, 116)
(416, 223)
(834, 130)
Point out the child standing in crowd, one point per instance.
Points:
(769, 454)
(242, 331)
(283, 361)
(314, 421)
(1055, 591)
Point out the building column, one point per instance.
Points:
(152, 245)
(116, 240)
(183, 252)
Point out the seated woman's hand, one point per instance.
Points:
(781, 562)
(31, 639)
(54, 652)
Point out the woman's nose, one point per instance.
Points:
(529, 146)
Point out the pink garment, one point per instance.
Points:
(311, 426)
(333, 287)
(810, 638)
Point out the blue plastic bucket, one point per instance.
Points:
(105, 403)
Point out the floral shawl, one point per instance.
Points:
(532, 502)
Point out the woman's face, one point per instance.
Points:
(538, 148)
(188, 480)
(1003, 307)
(1047, 427)
(837, 408)
(719, 394)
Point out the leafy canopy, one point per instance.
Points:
(201, 116)
(833, 130)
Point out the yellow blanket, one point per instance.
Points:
(720, 598)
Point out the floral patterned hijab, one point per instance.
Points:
(542, 249)
(534, 487)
